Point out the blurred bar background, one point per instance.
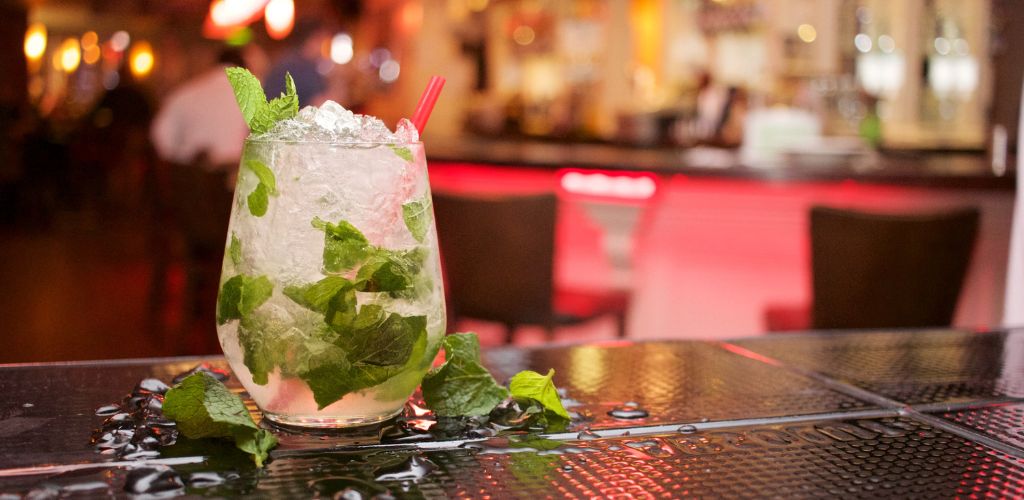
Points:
(686, 141)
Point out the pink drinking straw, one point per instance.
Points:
(427, 101)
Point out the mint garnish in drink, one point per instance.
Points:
(204, 408)
(240, 295)
(259, 114)
(417, 217)
(259, 198)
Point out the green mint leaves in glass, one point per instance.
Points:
(331, 307)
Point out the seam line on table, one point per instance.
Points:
(904, 409)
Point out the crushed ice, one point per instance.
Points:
(334, 124)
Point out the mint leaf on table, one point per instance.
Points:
(240, 295)
(461, 386)
(203, 407)
(235, 250)
(259, 114)
(258, 444)
(344, 245)
(417, 216)
(402, 152)
(541, 389)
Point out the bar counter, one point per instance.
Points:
(901, 414)
(904, 168)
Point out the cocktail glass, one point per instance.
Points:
(331, 306)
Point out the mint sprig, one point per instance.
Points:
(259, 114)
(204, 408)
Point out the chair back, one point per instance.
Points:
(498, 254)
(888, 271)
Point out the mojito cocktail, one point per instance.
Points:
(331, 305)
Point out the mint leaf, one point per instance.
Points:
(263, 173)
(258, 113)
(379, 347)
(333, 296)
(241, 295)
(286, 106)
(403, 383)
(235, 250)
(258, 200)
(417, 216)
(540, 388)
(344, 245)
(258, 444)
(385, 342)
(403, 153)
(324, 367)
(262, 349)
(249, 94)
(461, 386)
(203, 407)
(388, 271)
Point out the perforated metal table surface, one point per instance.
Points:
(904, 414)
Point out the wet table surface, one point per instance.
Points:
(875, 414)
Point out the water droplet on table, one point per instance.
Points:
(414, 467)
(687, 429)
(628, 411)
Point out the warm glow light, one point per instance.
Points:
(89, 39)
(341, 48)
(477, 5)
(141, 59)
(35, 41)
(91, 54)
(225, 13)
(807, 33)
(120, 40)
(70, 55)
(523, 35)
(279, 17)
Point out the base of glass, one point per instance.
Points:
(323, 422)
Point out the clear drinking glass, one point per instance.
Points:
(331, 305)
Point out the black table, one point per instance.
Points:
(874, 414)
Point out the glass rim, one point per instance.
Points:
(361, 144)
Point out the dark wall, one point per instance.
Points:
(13, 23)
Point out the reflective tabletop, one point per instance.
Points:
(874, 414)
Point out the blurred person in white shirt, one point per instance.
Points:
(199, 123)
